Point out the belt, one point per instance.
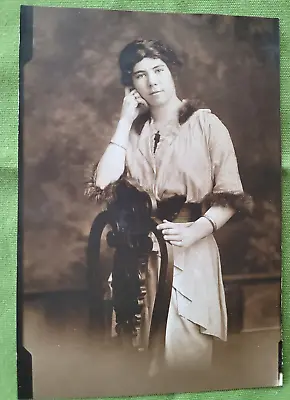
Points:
(175, 209)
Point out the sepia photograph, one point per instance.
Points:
(149, 245)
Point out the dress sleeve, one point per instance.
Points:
(227, 186)
(108, 194)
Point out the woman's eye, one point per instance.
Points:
(158, 70)
(140, 76)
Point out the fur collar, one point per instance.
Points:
(186, 110)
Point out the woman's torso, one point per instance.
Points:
(181, 164)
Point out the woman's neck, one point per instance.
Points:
(165, 112)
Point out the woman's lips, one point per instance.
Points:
(154, 93)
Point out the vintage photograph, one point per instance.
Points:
(149, 254)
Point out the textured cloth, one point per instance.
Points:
(9, 44)
(194, 159)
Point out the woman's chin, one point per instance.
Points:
(158, 100)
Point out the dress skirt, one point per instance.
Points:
(185, 346)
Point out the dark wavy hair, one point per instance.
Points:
(135, 51)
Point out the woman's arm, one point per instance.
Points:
(112, 163)
(214, 218)
(227, 196)
(186, 234)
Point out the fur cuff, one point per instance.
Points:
(241, 202)
(94, 192)
(108, 194)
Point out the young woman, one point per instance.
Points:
(173, 149)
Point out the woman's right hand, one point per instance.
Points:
(133, 105)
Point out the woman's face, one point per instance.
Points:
(153, 80)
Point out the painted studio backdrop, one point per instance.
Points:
(72, 100)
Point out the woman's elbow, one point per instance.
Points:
(102, 181)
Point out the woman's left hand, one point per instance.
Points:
(178, 234)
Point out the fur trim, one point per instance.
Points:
(187, 109)
(108, 194)
(241, 202)
(94, 192)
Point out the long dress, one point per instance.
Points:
(194, 158)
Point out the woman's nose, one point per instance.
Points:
(152, 79)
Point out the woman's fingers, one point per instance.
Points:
(143, 102)
(133, 93)
(130, 94)
(130, 108)
(127, 91)
(177, 243)
(134, 96)
(166, 224)
(170, 231)
(172, 237)
(138, 98)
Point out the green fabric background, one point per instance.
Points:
(9, 44)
